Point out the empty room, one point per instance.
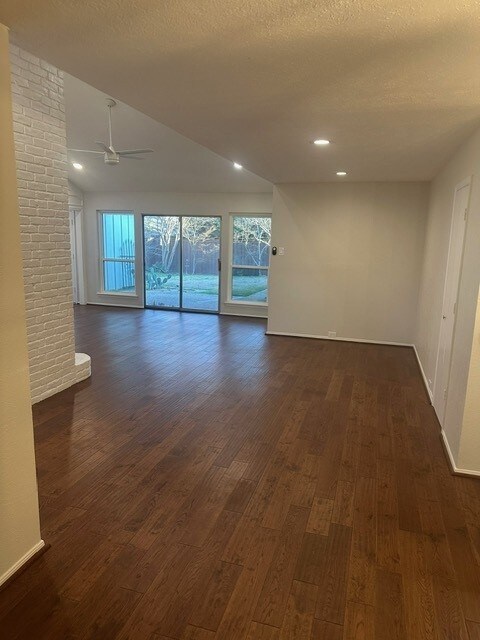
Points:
(240, 320)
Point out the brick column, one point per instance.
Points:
(41, 155)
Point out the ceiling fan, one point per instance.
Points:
(110, 156)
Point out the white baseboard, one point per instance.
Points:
(112, 304)
(446, 445)
(455, 469)
(448, 450)
(13, 569)
(425, 380)
(242, 315)
(338, 338)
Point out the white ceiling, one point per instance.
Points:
(394, 83)
(177, 164)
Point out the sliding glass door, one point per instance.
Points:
(182, 262)
(161, 251)
(200, 262)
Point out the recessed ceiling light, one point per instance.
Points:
(237, 165)
(77, 165)
(321, 142)
(341, 173)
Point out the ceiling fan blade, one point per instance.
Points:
(86, 151)
(133, 152)
(103, 146)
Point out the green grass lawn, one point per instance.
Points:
(244, 286)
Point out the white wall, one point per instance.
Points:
(170, 204)
(352, 262)
(19, 521)
(75, 195)
(464, 164)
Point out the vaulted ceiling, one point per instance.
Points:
(394, 84)
(177, 164)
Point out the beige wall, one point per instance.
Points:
(469, 450)
(352, 260)
(464, 164)
(19, 522)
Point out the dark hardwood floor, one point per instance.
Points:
(211, 482)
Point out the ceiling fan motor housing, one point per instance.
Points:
(111, 158)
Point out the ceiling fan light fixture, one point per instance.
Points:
(111, 159)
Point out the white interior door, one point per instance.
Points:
(73, 249)
(452, 279)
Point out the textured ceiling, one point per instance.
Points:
(178, 164)
(393, 83)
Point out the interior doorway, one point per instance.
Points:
(449, 307)
(182, 262)
(75, 254)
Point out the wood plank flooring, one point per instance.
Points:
(213, 483)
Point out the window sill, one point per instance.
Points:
(117, 293)
(248, 303)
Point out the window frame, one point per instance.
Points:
(231, 265)
(102, 260)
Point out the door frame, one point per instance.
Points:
(180, 216)
(441, 410)
(75, 213)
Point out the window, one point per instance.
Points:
(118, 252)
(250, 255)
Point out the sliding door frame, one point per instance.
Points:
(181, 307)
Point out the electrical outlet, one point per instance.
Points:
(281, 251)
(332, 334)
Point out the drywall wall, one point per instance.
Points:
(170, 204)
(41, 154)
(469, 450)
(75, 195)
(19, 521)
(463, 165)
(352, 259)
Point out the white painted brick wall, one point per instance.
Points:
(41, 153)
